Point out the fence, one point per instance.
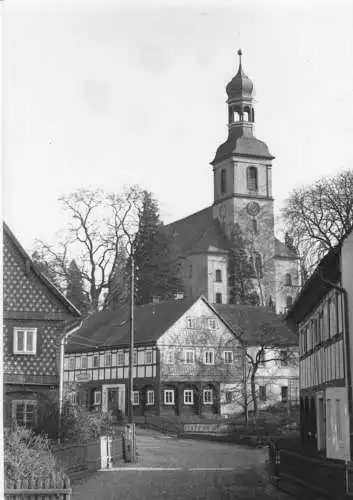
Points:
(324, 477)
(56, 487)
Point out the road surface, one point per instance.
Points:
(169, 468)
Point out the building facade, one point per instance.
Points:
(243, 202)
(184, 352)
(323, 317)
(36, 316)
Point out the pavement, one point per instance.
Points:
(170, 468)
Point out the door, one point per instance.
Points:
(337, 424)
(113, 398)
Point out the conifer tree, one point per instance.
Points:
(155, 275)
(75, 289)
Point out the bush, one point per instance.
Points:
(27, 456)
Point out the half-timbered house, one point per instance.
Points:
(323, 316)
(35, 318)
(184, 351)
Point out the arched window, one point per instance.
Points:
(258, 265)
(289, 301)
(288, 279)
(251, 178)
(223, 182)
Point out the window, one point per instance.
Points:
(209, 358)
(134, 358)
(108, 359)
(97, 397)
(72, 363)
(73, 398)
(190, 322)
(254, 226)
(289, 301)
(190, 271)
(150, 397)
(24, 412)
(148, 357)
(212, 324)
(168, 397)
(208, 396)
(338, 419)
(25, 340)
(229, 397)
(251, 178)
(218, 298)
(258, 265)
(228, 357)
(283, 357)
(284, 394)
(169, 357)
(262, 393)
(135, 398)
(333, 316)
(121, 358)
(223, 182)
(188, 397)
(288, 279)
(219, 275)
(189, 357)
(84, 362)
(96, 361)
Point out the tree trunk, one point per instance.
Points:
(253, 395)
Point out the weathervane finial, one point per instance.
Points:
(240, 53)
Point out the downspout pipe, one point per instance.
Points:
(61, 375)
(347, 358)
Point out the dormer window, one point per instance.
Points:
(223, 182)
(251, 179)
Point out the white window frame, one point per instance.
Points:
(150, 353)
(188, 392)
(186, 352)
(212, 324)
(72, 363)
(97, 397)
(166, 392)
(96, 356)
(231, 355)
(207, 391)
(212, 356)
(135, 398)
(150, 398)
(190, 322)
(16, 402)
(169, 357)
(120, 358)
(84, 358)
(108, 355)
(135, 358)
(25, 331)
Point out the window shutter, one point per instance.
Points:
(40, 341)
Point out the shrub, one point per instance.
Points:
(27, 455)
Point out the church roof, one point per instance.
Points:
(238, 144)
(257, 325)
(198, 232)
(282, 251)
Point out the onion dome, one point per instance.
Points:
(240, 85)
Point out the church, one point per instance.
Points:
(243, 203)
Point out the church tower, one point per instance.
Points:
(243, 186)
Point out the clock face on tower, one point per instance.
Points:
(253, 208)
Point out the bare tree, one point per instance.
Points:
(319, 216)
(100, 228)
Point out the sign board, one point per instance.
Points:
(83, 377)
(208, 428)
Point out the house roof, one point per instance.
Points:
(257, 325)
(45, 281)
(198, 232)
(282, 251)
(112, 328)
(315, 288)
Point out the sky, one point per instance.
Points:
(104, 94)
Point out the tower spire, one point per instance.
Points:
(240, 53)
